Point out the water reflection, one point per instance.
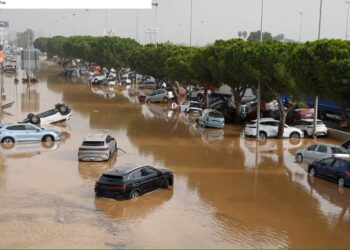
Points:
(106, 92)
(93, 170)
(30, 98)
(27, 149)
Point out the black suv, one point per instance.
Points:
(130, 181)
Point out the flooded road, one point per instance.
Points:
(227, 194)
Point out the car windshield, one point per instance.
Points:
(339, 150)
(216, 115)
(93, 143)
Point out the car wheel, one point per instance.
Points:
(95, 80)
(58, 105)
(165, 100)
(8, 142)
(295, 135)
(35, 119)
(149, 101)
(299, 158)
(305, 133)
(63, 109)
(341, 182)
(48, 138)
(262, 136)
(165, 183)
(312, 172)
(134, 194)
(48, 144)
(200, 98)
(30, 115)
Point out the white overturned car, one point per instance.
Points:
(60, 113)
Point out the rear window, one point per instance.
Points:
(93, 143)
(113, 176)
(339, 151)
(216, 115)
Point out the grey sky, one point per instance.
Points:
(222, 19)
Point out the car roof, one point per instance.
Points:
(124, 169)
(267, 119)
(309, 120)
(96, 137)
(14, 124)
(326, 144)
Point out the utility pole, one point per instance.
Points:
(259, 97)
(301, 25)
(191, 25)
(347, 20)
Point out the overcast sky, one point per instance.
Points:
(212, 19)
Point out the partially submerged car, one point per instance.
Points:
(10, 68)
(131, 180)
(191, 107)
(148, 84)
(60, 113)
(211, 118)
(97, 147)
(20, 132)
(159, 95)
(269, 128)
(306, 125)
(319, 150)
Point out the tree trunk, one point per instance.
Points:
(205, 95)
(238, 104)
(282, 117)
(177, 92)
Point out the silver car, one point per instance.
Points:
(97, 147)
(318, 151)
(10, 133)
(159, 95)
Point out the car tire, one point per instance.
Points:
(134, 194)
(312, 172)
(30, 115)
(95, 81)
(63, 110)
(166, 100)
(262, 136)
(48, 138)
(299, 158)
(295, 135)
(48, 144)
(149, 101)
(341, 182)
(306, 134)
(165, 183)
(35, 119)
(200, 98)
(8, 142)
(58, 105)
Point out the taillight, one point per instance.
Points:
(347, 173)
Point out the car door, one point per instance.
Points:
(323, 167)
(32, 133)
(321, 152)
(17, 132)
(334, 170)
(153, 96)
(309, 152)
(138, 181)
(152, 179)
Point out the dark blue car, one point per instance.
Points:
(334, 169)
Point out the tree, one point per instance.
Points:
(279, 37)
(240, 34)
(270, 63)
(245, 34)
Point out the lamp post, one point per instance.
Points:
(156, 28)
(301, 25)
(179, 32)
(137, 25)
(347, 20)
(191, 25)
(202, 22)
(259, 98)
(316, 98)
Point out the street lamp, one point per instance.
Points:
(137, 25)
(301, 24)
(347, 20)
(156, 27)
(179, 32)
(316, 98)
(191, 26)
(259, 98)
(202, 22)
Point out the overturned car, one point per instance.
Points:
(59, 113)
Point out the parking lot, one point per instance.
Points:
(228, 192)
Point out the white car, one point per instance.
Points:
(191, 106)
(269, 128)
(60, 113)
(318, 151)
(306, 125)
(97, 147)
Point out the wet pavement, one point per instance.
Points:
(228, 191)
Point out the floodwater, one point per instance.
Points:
(228, 192)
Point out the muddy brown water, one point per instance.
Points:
(227, 194)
